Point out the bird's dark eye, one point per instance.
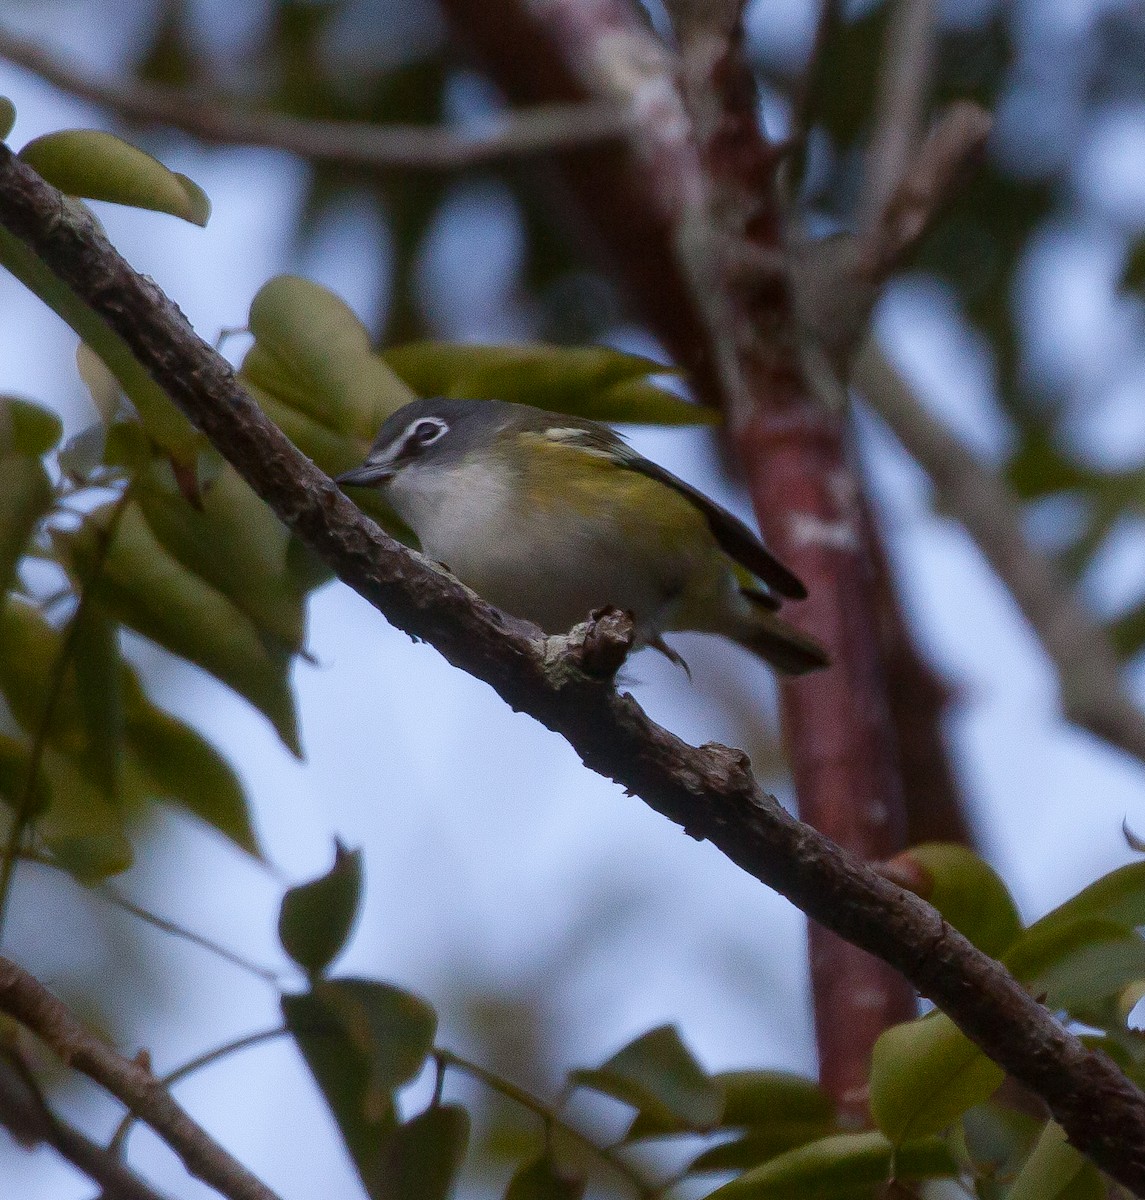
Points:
(424, 433)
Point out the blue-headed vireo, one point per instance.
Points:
(550, 517)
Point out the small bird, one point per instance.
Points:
(551, 517)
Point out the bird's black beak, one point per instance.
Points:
(367, 475)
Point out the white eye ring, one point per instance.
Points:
(426, 431)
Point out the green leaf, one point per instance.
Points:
(29, 648)
(236, 544)
(167, 760)
(164, 422)
(1133, 273)
(657, 1075)
(1056, 1171)
(1118, 896)
(924, 1075)
(98, 679)
(25, 496)
(392, 1027)
(315, 919)
(588, 381)
(759, 1145)
(147, 589)
(7, 117)
(965, 890)
(27, 428)
(424, 1155)
(843, 1166)
(754, 1098)
(100, 166)
(312, 355)
(81, 828)
(542, 1180)
(1078, 963)
(998, 1140)
(365, 1115)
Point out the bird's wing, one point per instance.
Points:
(734, 537)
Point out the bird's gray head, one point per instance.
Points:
(435, 430)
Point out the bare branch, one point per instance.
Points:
(515, 134)
(1093, 694)
(709, 791)
(948, 154)
(26, 1116)
(28, 1002)
(900, 110)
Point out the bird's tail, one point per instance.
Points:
(778, 643)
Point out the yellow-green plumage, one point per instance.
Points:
(550, 517)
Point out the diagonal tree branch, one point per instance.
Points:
(26, 1116)
(566, 684)
(30, 1003)
(548, 129)
(1093, 694)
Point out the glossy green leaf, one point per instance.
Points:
(392, 1027)
(147, 589)
(657, 1075)
(316, 918)
(7, 117)
(26, 428)
(14, 764)
(168, 761)
(541, 1179)
(924, 1075)
(423, 1156)
(1056, 1171)
(967, 891)
(1118, 896)
(312, 354)
(754, 1099)
(841, 1166)
(997, 1140)
(1078, 963)
(760, 1145)
(100, 166)
(164, 422)
(587, 381)
(364, 1114)
(25, 496)
(81, 828)
(236, 544)
(98, 675)
(29, 649)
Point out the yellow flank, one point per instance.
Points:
(661, 532)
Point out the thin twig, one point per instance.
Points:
(551, 1118)
(119, 1137)
(1093, 694)
(26, 804)
(900, 109)
(27, 1117)
(514, 134)
(709, 790)
(113, 896)
(951, 150)
(30, 1003)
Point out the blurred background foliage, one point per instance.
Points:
(1035, 274)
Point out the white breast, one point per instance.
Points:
(551, 567)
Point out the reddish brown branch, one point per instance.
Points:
(838, 727)
(710, 791)
(28, 1002)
